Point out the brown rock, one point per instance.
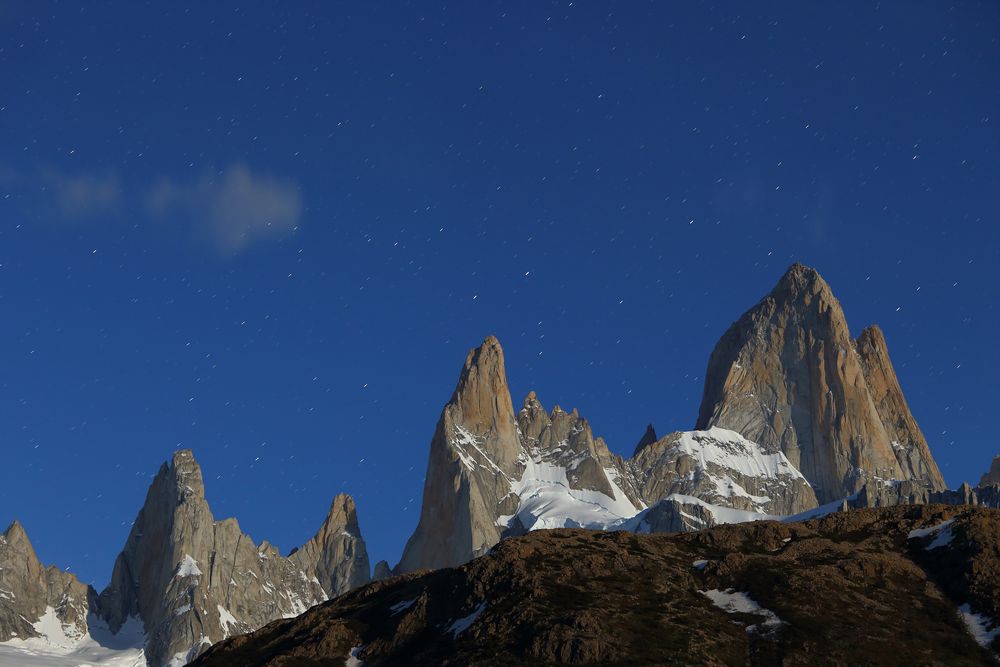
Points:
(28, 591)
(906, 438)
(336, 555)
(473, 462)
(788, 376)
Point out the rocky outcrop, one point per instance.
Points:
(336, 555)
(193, 581)
(891, 586)
(32, 595)
(993, 476)
(787, 376)
(382, 571)
(722, 468)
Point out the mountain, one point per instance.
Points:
(182, 582)
(492, 474)
(795, 414)
(788, 376)
(34, 598)
(193, 580)
(900, 585)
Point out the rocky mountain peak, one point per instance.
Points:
(336, 555)
(15, 533)
(787, 376)
(474, 457)
(192, 580)
(30, 592)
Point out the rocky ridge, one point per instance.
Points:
(842, 589)
(30, 592)
(187, 579)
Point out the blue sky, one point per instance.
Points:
(270, 234)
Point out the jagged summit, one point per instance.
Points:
(336, 555)
(788, 376)
(192, 580)
(34, 597)
(15, 531)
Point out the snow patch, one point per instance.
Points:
(735, 602)
(463, 624)
(942, 533)
(402, 606)
(978, 626)
(699, 564)
(228, 622)
(352, 659)
(188, 567)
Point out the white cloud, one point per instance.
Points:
(231, 209)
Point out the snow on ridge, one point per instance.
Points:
(730, 450)
(547, 501)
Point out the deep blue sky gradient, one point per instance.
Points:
(605, 186)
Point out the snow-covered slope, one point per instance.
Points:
(723, 468)
(546, 500)
(704, 477)
(60, 645)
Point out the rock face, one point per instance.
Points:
(31, 594)
(337, 555)
(841, 590)
(908, 442)
(193, 580)
(788, 376)
(474, 458)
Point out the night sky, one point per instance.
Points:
(271, 235)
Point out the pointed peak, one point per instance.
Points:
(531, 401)
(343, 514)
(800, 278)
(382, 571)
(15, 531)
(872, 336)
(184, 473)
(488, 353)
(648, 438)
